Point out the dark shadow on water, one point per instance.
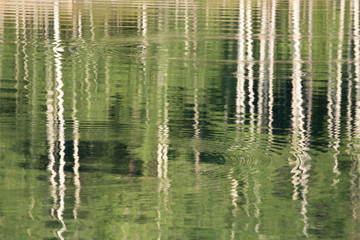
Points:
(95, 156)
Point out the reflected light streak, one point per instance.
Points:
(74, 22)
(31, 208)
(338, 93)
(271, 71)
(196, 125)
(144, 29)
(297, 101)
(262, 76)
(17, 56)
(250, 70)
(87, 65)
(163, 119)
(51, 141)
(357, 68)
(246, 195)
(25, 43)
(234, 198)
(196, 111)
(51, 133)
(330, 88)
(60, 115)
(349, 90)
(34, 110)
(92, 57)
(310, 88)
(35, 26)
(195, 23)
(257, 202)
(144, 21)
(2, 10)
(177, 14)
(95, 71)
(240, 74)
(163, 137)
(107, 84)
(92, 25)
(87, 90)
(261, 86)
(164, 184)
(80, 24)
(301, 168)
(76, 167)
(196, 105)
(207, 16)
(187, 39)
(160, 22)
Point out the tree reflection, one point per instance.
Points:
(225, 99)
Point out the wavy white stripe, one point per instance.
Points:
(60, 116)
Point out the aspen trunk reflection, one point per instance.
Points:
(250, 70)
(302, 166)
(240, 74)
(76, 137)
(355, 169)
(163, 141)
(60, 117)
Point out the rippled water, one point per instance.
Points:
(179, 119)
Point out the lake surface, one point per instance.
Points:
(180, 119)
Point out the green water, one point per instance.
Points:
(180, 119)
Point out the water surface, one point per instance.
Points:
(179, 119)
